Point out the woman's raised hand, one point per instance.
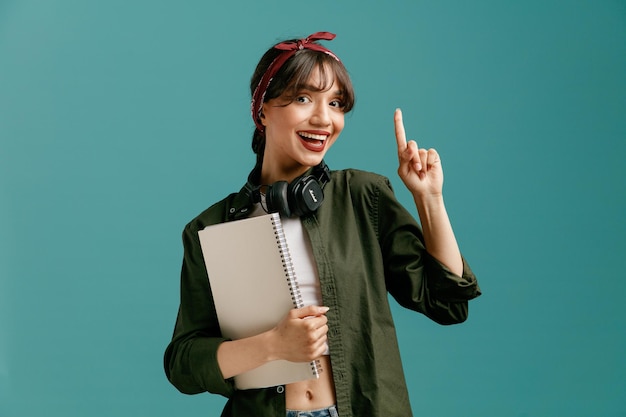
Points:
(419, 169)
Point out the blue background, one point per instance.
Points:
(122, 120)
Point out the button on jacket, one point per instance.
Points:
(365, 245)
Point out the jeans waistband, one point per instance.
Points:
(322, 412)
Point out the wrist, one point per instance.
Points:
(270, 344)
(428, 202)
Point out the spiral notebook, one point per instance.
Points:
(254, 285)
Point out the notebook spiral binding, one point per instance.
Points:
(290, 273)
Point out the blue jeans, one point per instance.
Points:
(324, 412)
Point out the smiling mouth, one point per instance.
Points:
(313, 137)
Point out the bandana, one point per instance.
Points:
(288, 49)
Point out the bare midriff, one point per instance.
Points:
(312, 394)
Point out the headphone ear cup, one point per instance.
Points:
(305, 196)
(276, 198)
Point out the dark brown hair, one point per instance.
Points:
(293, 76)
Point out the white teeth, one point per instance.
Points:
(312, 136)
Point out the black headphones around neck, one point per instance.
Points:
(302, 196)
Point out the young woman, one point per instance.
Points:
(359, 244)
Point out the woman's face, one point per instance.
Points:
(299, 132)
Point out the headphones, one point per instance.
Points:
(302, 196)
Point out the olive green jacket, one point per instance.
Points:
(366, 245)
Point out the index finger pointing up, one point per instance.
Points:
(400, 134)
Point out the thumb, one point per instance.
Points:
(310, 311)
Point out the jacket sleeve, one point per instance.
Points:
(191, 358)
(414, 278)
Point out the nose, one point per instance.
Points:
(321, 115)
